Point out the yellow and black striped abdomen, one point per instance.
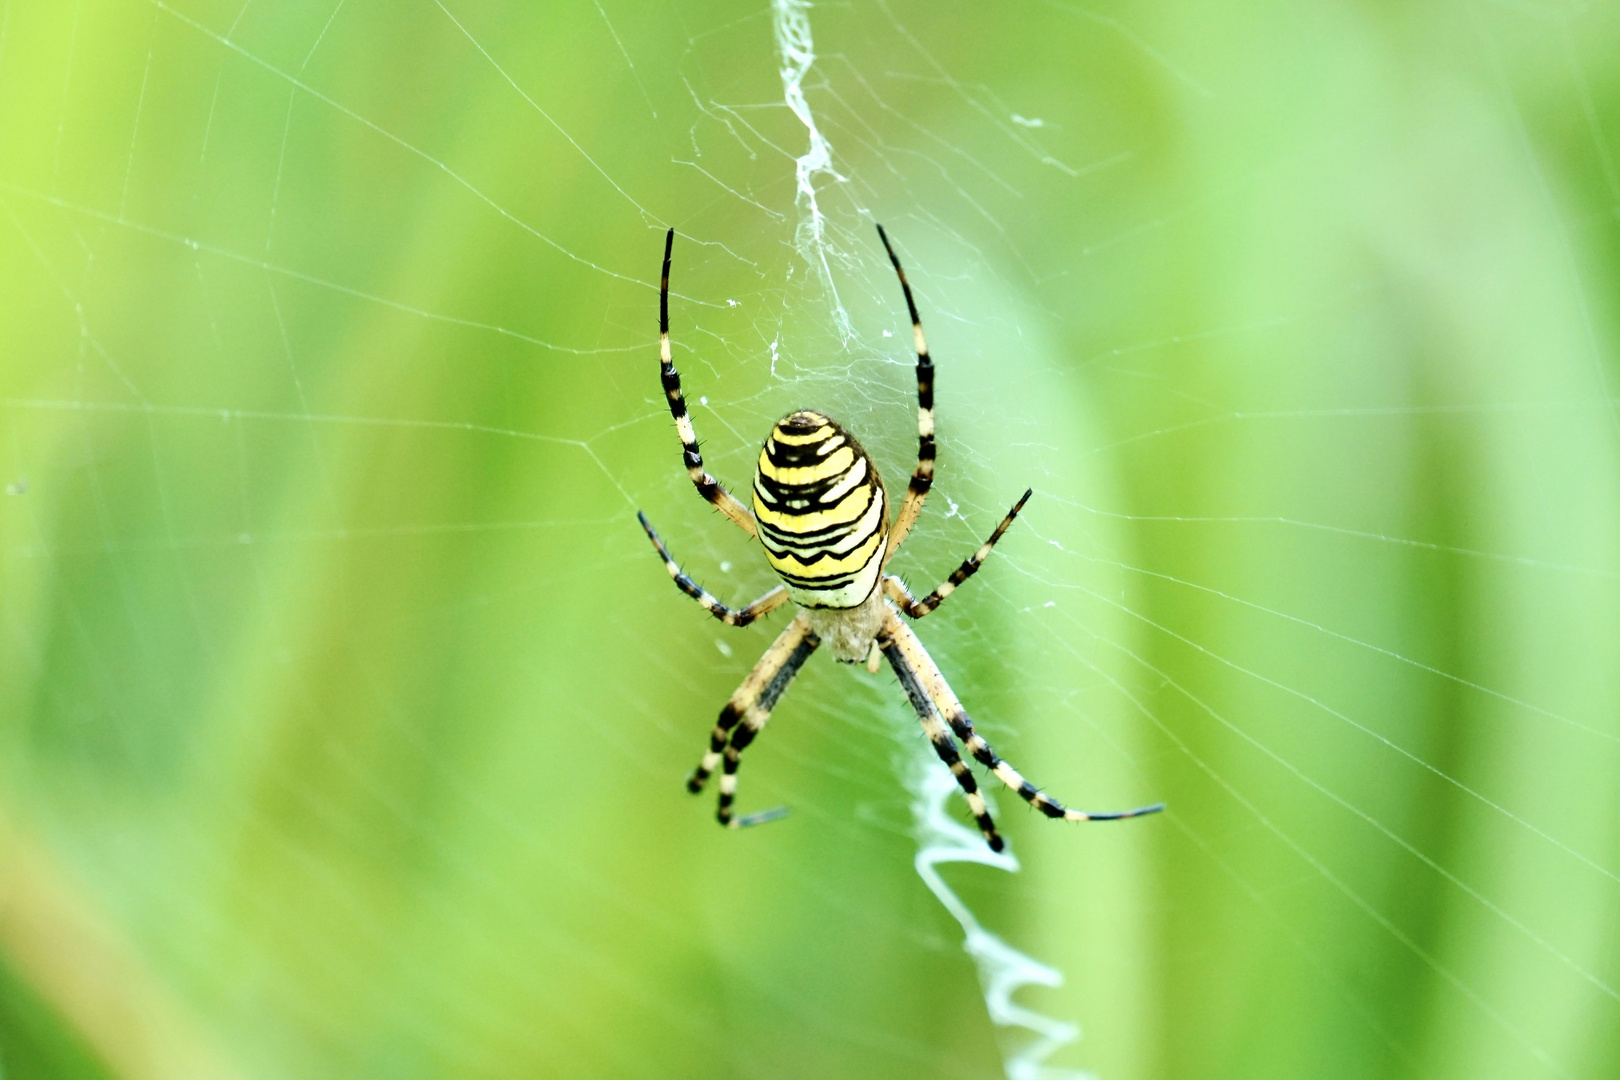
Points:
(821, 510)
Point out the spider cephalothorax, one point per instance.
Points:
(821, 512)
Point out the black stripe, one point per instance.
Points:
(790, 667)
(811, 537)
(815, 492)
(810, 557)
(964, 776)
(812, 584)
(824, 538)
(814, 495)
(819, 555)
(1044, 803)
(663, 285)
(803, 455)
(796, 525)
(963, 726)
(672, 387)
(911, 305)
(789, 456)
(785, 426)
(739, 742)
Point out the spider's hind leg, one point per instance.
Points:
(939, 692)
(745, 714)
(934, 727)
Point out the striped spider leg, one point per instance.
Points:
(730, 616)
(914, 666)
(934, 727)
(923, 478)
(897, 591)
(753, 701)
(707, 486)
(745, 714)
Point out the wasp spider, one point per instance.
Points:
(820, 509)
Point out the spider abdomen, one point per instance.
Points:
(821, 511)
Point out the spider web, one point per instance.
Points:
(346, 709)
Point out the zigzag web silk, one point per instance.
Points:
(1003, 970)
(829, 197)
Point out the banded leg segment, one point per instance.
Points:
(908, 646)
(923, 478)
(934, 727)
(897, 591)
(707, 486)
(745, 714)
(730, 616)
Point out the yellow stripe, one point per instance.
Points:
(850, 563)
(823, 432)
(849, 508)
(836, 462)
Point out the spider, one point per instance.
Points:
(820, 510)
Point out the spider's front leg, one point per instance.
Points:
(744, 716)
(707, 486)
(923, 478)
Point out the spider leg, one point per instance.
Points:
(934, 728)
(906, 643)
(745, 714)
(897, 591)
(707, 486)
(923, 478)
(730, 616)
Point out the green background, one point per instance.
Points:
(344, 709)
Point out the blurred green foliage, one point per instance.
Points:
(343, 709)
